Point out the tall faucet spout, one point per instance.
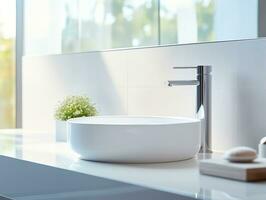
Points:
(203, 83)
(183, 82)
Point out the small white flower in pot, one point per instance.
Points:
(71, 107)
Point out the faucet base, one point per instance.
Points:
(204, 150)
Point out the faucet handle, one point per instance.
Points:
(205, 69)
(185, 67)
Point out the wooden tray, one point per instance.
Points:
(255, 171)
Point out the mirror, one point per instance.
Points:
(68, 26)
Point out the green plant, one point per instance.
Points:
(75, 106)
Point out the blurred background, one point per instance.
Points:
(70, 26)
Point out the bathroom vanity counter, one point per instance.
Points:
(182, 178)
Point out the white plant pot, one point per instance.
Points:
(60, 131)
(262, 150)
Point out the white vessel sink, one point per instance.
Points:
(134, 139)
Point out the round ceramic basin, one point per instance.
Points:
(135, 139)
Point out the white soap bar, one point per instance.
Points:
(240, 154)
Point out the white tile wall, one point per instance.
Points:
(135, 82)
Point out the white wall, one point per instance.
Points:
(134, 82)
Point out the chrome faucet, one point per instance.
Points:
(203, 106)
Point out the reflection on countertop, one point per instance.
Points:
(181, 177)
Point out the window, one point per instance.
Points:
(66, 26)
(191, 21)
(81, 25)
(7, 63)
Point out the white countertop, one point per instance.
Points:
(182, 177)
